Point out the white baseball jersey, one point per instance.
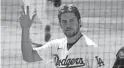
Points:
(83, 54)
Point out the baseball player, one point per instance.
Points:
(75, 50)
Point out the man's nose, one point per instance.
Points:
(68, 24)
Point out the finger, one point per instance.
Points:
(21, 13)
(28, 10)
(20, 18)
(23, 9)
(33, 17)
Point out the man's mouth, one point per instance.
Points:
(68, 29)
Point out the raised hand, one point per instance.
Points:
(24, 19)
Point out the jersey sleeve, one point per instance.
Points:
(46, 51)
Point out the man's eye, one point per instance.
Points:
(71, 20)
(63, 22)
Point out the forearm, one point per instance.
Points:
(27, 50)
(28, 53)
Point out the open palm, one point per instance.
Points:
(24, 19)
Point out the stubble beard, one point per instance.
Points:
(70, 34)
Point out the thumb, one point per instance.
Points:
(33, 17)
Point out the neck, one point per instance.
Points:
(74, 38)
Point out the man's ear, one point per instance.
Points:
(60, 23)
(80, 22)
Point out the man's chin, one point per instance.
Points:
(69, 35)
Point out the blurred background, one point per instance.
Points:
(102, 21)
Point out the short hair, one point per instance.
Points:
(68, 8)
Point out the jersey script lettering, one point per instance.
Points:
(68, 61)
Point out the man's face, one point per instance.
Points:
(69, 24)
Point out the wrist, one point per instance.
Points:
(26, 29)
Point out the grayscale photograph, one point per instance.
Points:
(62, 34)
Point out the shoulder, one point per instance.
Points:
(52, 44)
(89, 42)
(56, 42)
